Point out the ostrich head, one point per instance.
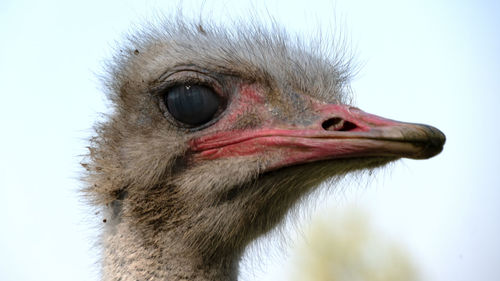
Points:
(214, 135)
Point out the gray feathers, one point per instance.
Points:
(171, 218)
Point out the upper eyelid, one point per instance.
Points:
(186, 77)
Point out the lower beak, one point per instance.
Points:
(339, 132)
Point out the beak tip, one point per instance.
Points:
(435, 140)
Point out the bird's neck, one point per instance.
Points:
(129, 255)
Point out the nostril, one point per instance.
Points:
(338, 124)
(332, 123)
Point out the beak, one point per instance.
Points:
(339, 132)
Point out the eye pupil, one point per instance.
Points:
(192, 104)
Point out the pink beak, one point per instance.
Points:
(339, 132)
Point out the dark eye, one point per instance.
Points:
(192, 104)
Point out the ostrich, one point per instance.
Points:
(214, 135)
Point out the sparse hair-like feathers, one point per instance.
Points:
(170, 218)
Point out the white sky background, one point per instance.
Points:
(433, 62)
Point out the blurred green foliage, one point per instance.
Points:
(346, 247)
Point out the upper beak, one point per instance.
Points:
(339, 132)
